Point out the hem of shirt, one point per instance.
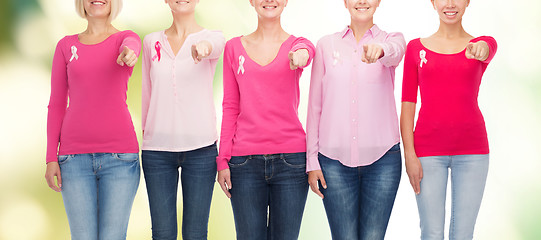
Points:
(365, 163)
(179, 149)
(130, 150)
(453, 153)
(252, 151)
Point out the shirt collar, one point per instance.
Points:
(373, 31)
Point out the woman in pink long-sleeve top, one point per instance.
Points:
(179, 122)
(353, 142)
(97, 163)
(262, 155)
(450, 133)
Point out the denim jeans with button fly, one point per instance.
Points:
(268, 195)
(359, 200)
(98, 191)
(197, 177)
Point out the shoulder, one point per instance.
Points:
(128, 33)
(232, 46)
(414, 44)
(68, 39)
(483, 38)
(233, 43)
(151, 37)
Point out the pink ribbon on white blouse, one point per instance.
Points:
(241, 65)
(422, 55)
(158, 47)
(74, 53)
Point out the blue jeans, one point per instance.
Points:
(468, 178)
(98, 191)
(359, 200)
(275, 184)
(198, 174)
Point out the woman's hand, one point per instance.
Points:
(313, 177)
(224, 179)
(478, 51)
(415, 172)
(201, 50)
(53, 170)
(371, 53)
(127, 57)
(298, 59)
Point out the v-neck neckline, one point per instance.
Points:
(168, 47)
(273, 60)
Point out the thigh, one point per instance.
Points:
(288, 192)
(79, 193)
(249, 197)
(468, 178)
(431, 200)
(379, 184)
(197, 178)
(341, 198)
(118, 181)
(161, 177)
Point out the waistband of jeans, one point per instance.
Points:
(274, 156)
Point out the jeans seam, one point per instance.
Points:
(452, 201)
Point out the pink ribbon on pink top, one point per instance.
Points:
(158, 47)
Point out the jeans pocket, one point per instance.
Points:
(64, 158)
(128, 157)
(238, 161)
(295, 160)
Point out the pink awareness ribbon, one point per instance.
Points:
(158, 47)
(422, 55)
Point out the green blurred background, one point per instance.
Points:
(509, 98)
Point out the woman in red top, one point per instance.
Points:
(450, 133)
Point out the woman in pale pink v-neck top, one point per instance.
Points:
(179, 122)
(262, 156)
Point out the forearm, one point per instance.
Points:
(407, 117)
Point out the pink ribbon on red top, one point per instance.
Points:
(158, 47)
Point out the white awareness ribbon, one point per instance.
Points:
(74, 53)
(241, 65)
(422, 55)
(336, 56)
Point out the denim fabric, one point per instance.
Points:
(197, 177)
(359, 200)
(268, 195)
(468, 178)
(98, 191)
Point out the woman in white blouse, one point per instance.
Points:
(179, 122)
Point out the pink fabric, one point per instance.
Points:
(450, 121)
(178, 111)
(97, 119)
(351, 109)
(261, 103)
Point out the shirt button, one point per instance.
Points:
(353, 120)
(354, 138)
